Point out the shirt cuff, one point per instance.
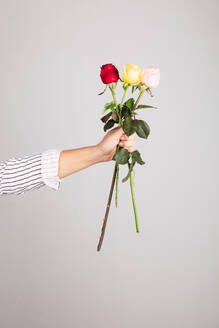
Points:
(49, 168)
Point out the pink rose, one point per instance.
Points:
(150, 77)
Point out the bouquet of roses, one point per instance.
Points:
(123, 114)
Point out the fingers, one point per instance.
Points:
(125, 137)
(118, 132)
(125, 141)
(128, 144)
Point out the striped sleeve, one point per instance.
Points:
(21, 174)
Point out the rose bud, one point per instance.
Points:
(109, 73)
(150, 77)
(131, 74)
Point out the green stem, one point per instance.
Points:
(133, 201)
(124, 94)
(131, 180)
(120, 106)
(117, 170)
(114, 97)
(117, 108)
(138, 99)
(120, 124)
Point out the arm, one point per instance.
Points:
(80, 158)
(18, 175)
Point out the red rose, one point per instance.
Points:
(109, 73)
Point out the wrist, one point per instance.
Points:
(98, 154)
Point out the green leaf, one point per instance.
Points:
(137, 157)
(133, 88)
(149, 91)
(127, 126)
(130, 170)
(107, 106)
(145, 106)
(121, 156)
(141, 127)
(102, 91)
(130, 103)
(105, 118)
(109, 125)
(125, 111)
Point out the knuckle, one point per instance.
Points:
(128, 143)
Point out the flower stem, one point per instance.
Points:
(130, 177)
(115, 175)
(107, 209)
(138, 99)
(124, 94)
(117, 107)
(117, 172)
(117, 183)
(114, 96)
(133, 201)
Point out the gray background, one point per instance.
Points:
(50, 273)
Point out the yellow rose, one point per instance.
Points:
(131, 74)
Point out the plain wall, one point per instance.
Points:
(51, 275)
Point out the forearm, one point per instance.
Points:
(76, 159)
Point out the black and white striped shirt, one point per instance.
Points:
(21, 174)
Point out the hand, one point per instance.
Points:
(108, 144)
